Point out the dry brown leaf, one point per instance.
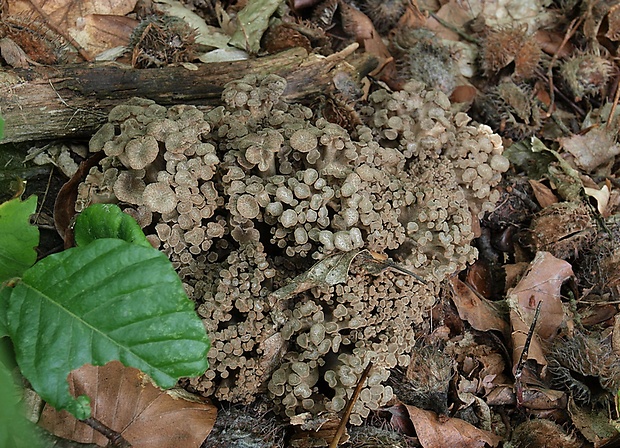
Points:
(12, 54)
(613, 23)
(593, 424)
(602, 198)
(550, 42)
(124, 400)
(454, 12)
(479, 312)
(544, 195)
(514, 273)
(480, 278)
(597, 314)
(541, 283)
(541, 399)
(70, 15)
(356, 24)
(435, 432)
(100, 32)
(273, 349)
(501, 396)
(68, 11)
(591, 150)
(360, 27)
(412, 17)
(64, 207)
(463, 94)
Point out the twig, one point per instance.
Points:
(349, 407)
(402, 270)
(572, 28)
(115, 438)
(524, 353)
(47, 190)
(528, 341)
(387, 264)
(610, 119)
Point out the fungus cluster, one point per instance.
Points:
(247, 196)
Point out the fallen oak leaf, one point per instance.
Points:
(592, 150)
(330, 271)
(541, 283)
(436, 432)
(543, 194)
(482, 314)
(357, 24)
(126, 401)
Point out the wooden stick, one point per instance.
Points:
(349, 408)
(115, 437)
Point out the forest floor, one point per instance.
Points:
(531, 329)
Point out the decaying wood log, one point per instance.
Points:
(44, 103)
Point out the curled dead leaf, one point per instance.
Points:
(602, 198)
(544, 195)
(482, 314)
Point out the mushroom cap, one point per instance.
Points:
(160, 197)
(303, 140)
(141, 151)
(247, 206)
(129, 188)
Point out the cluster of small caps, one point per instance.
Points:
(420, 125)
(248, 195)
(368, 319)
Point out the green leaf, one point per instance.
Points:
(15, 430)
(5, 293)
(107, 221)
(96, 303)
(18, 237)
(1, 128)
(252, 22)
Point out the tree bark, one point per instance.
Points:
(45, 103)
